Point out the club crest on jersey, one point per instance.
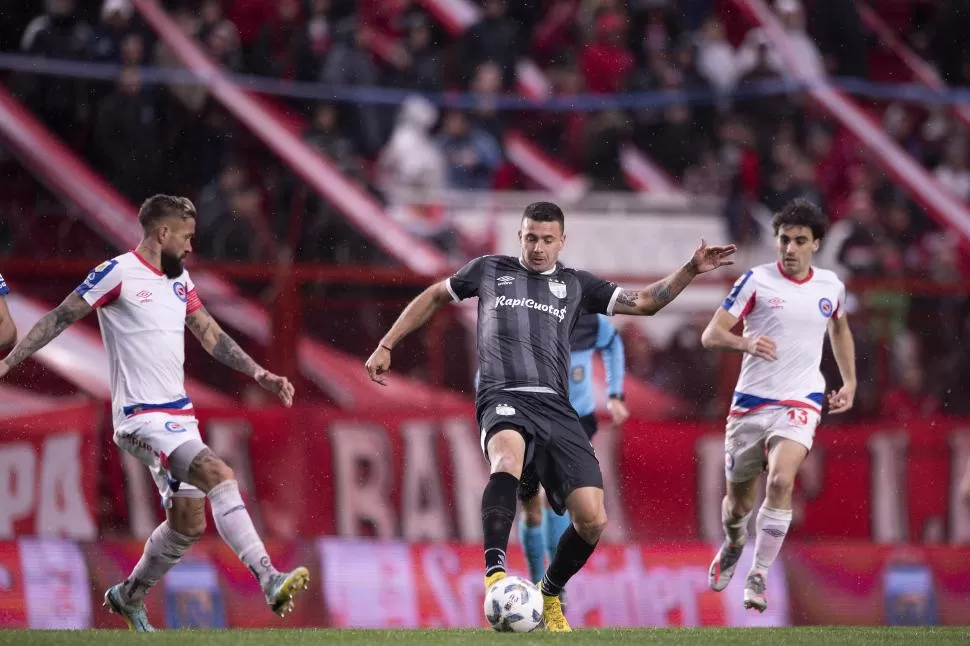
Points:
(179, 290)
(558, 289)
(504, 281)
(174, 427)
(505, 410)
(825, 307)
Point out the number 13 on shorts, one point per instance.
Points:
(798, 416)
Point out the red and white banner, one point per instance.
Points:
(44, 584)
(49, 474)
(372, 584)
(315, 472)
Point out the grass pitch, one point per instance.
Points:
(809, 636)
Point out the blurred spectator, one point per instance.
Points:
(277, 49)
(126, 138)
(801, 45)
(606, 63)
(423, 70)
(953, 172)
(115, 24)
(716, 57)
(242, 233)
(192, 97)
(839, 32)
(411, 160)
(860, 252)
(556, 37)
(494, 38)
(212, 206)
(487, 84)
(326, 135)
(606, 135)
(60, 101)
(348, 63)
(222, 44)
(471, 154)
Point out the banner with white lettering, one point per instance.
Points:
(377, 584)
(49, 474)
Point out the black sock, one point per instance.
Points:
(571, 555)
(498, 512)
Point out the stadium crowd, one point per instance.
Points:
(761, 150)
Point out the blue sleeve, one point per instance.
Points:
(610, 345)
(3, 287)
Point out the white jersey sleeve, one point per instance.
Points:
(103, 285)
(741, 299)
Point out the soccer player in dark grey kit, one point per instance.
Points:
(527, 307)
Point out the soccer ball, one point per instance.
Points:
(513, 605)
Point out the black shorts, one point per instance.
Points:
(529, 482)
(557, 452)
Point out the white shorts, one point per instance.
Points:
(151, 438)
(745, 455)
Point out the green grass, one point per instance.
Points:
(814, 636)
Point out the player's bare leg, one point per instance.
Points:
(184, 525)
(735, 512)
(213, 476)
(506, 455)
(785, 457)
(588, 511)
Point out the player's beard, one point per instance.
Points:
(171, 264)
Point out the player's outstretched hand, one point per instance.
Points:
(618, 411)
(708, 258)
(762, 347)
(378, 364)
(842, 399)
(276, 384)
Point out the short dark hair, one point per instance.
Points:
(159, 207)
(801, 213)
(545, 212)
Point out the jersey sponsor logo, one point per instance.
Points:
(144, 296)
(96, 276)
(825, 307)
(504, 281)
(557, 288)
(174, 427)
(179, 289)
(504, 410)
(776, 303)
(505, 301)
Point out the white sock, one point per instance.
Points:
(735, 529)
(163, 549)
(237, 530)
(772, 526)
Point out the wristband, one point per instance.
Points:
(618, 397)
(384, 346)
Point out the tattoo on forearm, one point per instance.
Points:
(46, 329)
(628, 297)
(228, 352)
(663, 292)
(660, 294)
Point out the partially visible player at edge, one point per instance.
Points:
(527, 307)
(8, 331)
(540, 527)
(787, 307)
(145, 299)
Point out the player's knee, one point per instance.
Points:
(209, 472)
(738, 509)
(194, 528)
(591, 526)
(780, 485)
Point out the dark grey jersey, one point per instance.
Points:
(525, 319)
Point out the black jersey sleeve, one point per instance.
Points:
(464, 284)
(599, 296)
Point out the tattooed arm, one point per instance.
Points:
(71, 309)
(653, 298)
(227, 352)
